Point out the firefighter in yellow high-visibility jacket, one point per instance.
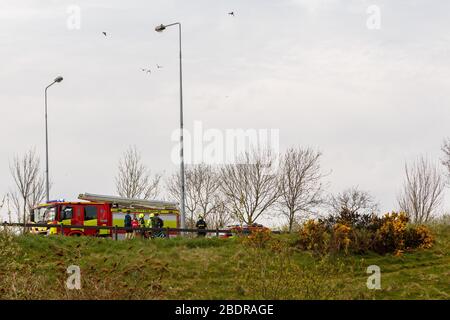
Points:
(151, 224)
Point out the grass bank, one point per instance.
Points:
(33, 267)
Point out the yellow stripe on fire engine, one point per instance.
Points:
(160, 211)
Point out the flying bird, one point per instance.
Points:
(104, 33)
(158, 66)
(146, 70)
(231, 13)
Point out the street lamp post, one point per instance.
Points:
(47, 184)
(161, 28)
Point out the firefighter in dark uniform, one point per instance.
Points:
(159, 224)
(201, 226)
(127, 224)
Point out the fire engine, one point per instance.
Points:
(100, 210)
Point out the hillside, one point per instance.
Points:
(35, 268)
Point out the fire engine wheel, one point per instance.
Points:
(75, 234)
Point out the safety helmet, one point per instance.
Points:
(151, 215)
(141, 215)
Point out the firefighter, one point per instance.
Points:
(142, 220)
(159, 223)
(134, 225)
(153, 220)
(150, 224)
(142, 224)
(201, 226)
(127, 224)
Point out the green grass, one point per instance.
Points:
(213, 269)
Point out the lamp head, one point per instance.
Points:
(59, 79)
(160, 28)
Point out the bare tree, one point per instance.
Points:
(206, 184)
(300, 186)
(29, 184)
(39, 192)
(5, 204)
(220, 215)
(134, 179)
(422, 191)
(250, 186)
(2, 203)
(173, 186)
(15, 203)
(446, 159)
(8, 208)
(201, 187)
(354, 201)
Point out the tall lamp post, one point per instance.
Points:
(47, 183)
(161, 28)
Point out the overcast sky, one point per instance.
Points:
(369, 99)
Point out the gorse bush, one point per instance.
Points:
(259, 238)
(419, 237)
(395, 235)
(353, 220)
(351, 232)
(314, 236)
(391, 235)
(340, 237)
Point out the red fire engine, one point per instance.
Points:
(100, 210)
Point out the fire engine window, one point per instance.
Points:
(90, 213)
(66, 213)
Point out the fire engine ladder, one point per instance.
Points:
(128, 202)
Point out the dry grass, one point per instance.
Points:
(35, 268)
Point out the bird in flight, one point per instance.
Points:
(231, 13)
(146, 70)
(104, 33)
(158, 66)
